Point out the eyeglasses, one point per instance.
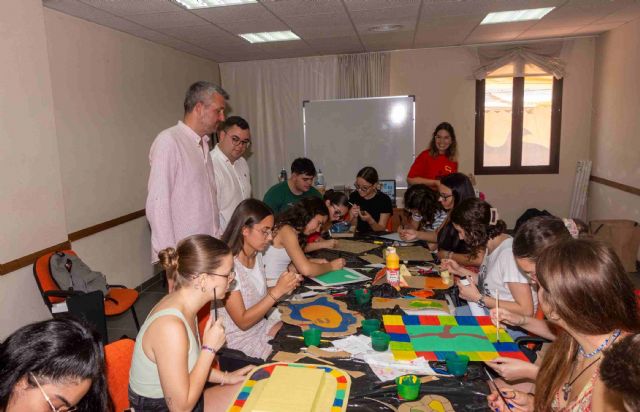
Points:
(231, 274)
(362, 188)
(46, 397)
(237, 142)
(414, 215)
(445, 196)
(266, 232)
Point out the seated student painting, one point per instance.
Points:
(170, 366)
(478, 225)
(586, 293)
(438, 161)
(299, 185)
(371, 208)
(531, 239)
(424, 215)
(337, 204)
(53, 365)
(248, 234)
(287, 250)
(620, 371)
(453, 189)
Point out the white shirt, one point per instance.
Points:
(233, 184)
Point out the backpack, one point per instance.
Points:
(71, 273)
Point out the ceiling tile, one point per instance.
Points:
(625, 14)
(405, 16)
(163, 20)
(497, 32)
(326, 21)
(132, 7)
(354, 5)
(598, 28)
(253, 26)
(234, 13)
(337, 45)
(387, 41)
(309, 33)
(77, 9)
(432, 9)
(285, 8)
(446, 36)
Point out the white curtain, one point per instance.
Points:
(363, 75)
(518, 57)
(269, 95)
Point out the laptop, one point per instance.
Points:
(388, 187)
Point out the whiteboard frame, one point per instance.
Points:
(413, 121)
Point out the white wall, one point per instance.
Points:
(615, 145)
(444, 87)
(81, 104)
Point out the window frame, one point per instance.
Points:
(515, 167)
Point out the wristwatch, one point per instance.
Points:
(481, 303)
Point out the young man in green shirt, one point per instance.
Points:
(284, 194)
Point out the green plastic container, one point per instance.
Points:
(380, 341)
(312, 336)
(457, 364)
(370, 325)
(408, 387)
(363, 296)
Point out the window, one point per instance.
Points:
(518, 123)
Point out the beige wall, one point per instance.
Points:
(444, 87)
(615, 143)
(81, 105)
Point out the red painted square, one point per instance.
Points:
(341, 379)
(429, 320)
(239, 402)
(431, 356)
(515, 355)
(396, 329)
(484, 320)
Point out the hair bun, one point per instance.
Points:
(168, 258)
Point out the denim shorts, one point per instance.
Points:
(144, 404)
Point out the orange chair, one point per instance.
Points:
(117, 356)
(119, 299)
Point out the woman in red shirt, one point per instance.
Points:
(438, 160)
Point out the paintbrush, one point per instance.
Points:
(497, 389)
(215, 306)
(497, 316)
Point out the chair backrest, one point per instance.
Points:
(46, 282)
(118, 357)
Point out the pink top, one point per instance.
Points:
(582, 403)
(182, 190)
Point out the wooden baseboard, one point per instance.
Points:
(31, 258)
(615, 185)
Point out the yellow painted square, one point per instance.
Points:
(250, 383)
(487, 356)
(404, 355)
(489, 330)
(392, 320)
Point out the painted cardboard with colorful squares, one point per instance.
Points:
(323, 312)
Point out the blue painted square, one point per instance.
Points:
(506, 346)
(399, 337)
(442, 355)
(338, 402)
(410, 320)
(243, 395)
(467, 320)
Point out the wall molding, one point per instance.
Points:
(29, 259)
(615, 185)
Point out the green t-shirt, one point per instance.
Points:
(280, 198)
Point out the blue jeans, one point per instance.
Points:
(144, 404)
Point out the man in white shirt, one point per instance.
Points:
(231, 169)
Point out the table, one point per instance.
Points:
(466, 394)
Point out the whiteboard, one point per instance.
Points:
(343, 136)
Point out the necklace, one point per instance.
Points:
(566, 388)
(599, 349)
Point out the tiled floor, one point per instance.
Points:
(119, 326)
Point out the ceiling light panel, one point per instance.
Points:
(205, 4)
(516, 15)
(269, 36)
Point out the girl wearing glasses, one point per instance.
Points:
(53, 366)
(453, 190)
(424, 215)
(586, 294)
(438, 161)
(249, 233)
(170, 365)
(287, 251)
(371, 209)
(337, 204)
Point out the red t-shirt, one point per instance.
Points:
(431, 167)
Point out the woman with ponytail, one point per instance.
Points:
(170, 365)
(586, 293)
(477, 223)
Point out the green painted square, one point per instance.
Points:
(448, 320)
(340, 394)
(398, 346)
(464, 338)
